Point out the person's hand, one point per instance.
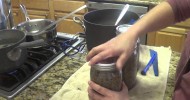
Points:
(120, 47)
(97, 92)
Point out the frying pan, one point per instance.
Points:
(13, 49)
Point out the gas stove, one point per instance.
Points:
(39, 60)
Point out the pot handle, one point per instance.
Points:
(23, 8)
(35, 43)
(16, 52)
(79, 21)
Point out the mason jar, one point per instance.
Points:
(131, 66)
(107, 75)
(122, 28)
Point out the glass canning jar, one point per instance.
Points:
(132, 64)
(107, 75)
(130, 68)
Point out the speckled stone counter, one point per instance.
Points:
(50, 82)
(171, 76)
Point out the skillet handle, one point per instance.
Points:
(35, 43)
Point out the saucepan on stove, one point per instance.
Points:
(99, 25)
(13, 49)
(32, 26)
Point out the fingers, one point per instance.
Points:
(93, 95)
(101, 90)
(97, 92)
(123, 58)
(124, 88)
(121, 61)
(98, 54)
(93, 52)
(101, 57)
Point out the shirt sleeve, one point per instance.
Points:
(181, 9)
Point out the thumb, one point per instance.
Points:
(121, 61)
(124, 88)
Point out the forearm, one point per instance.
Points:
(157, 18)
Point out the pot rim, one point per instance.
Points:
(12, 45)
(36, 20)
(103, 10)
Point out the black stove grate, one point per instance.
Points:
(37, 58)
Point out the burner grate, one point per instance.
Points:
(37, 58)
(38, 61)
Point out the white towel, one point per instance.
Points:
(148, 87)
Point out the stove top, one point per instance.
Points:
(38, 61)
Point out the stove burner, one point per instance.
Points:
(38, 61)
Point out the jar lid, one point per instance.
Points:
(105, 66)
(122, 28)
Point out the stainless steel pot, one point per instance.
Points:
(13, 50)
(35, 25)
(30, 27)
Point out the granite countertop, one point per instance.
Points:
(171, 76)
(50, 82)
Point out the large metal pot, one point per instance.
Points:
(32, 26)
(13, 50)
(100, 25)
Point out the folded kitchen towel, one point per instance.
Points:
(148, 87)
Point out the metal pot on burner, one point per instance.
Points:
(32, 26)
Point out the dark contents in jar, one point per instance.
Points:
(130, 69)
(111, 79)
